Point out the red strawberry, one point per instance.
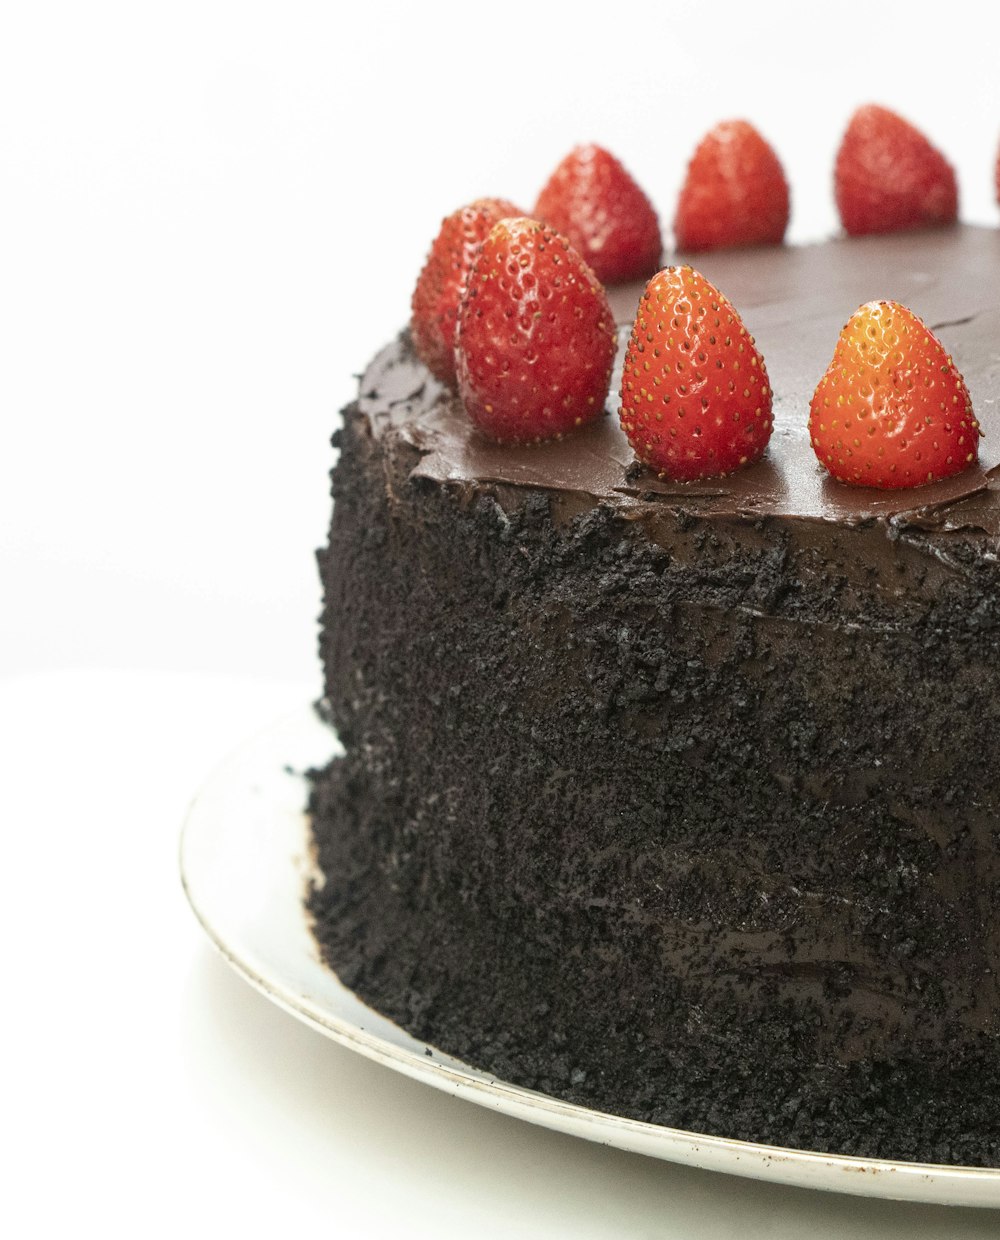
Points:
(735, 192)
(888, 177)
(695, 396)
(892, 410)
(434, 308)
(593, 201)
(536, 336)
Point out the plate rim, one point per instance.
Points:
(938, 1183)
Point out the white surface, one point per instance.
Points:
(245, 866)
(199, 247)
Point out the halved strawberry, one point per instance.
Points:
(593, 201)
(889, 178)
(536, 336)
(434, 307)
(695, 398)
(735, 192)
(892, 411)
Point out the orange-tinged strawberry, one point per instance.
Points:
(434, 308)
(734, 194)
(892, 410)
(594, 202)
(536, 336)
(695, 397)
(889, 178)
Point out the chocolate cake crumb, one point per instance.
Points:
(680, 812)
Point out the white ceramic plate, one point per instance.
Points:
(245, 861)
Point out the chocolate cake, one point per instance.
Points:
(681, 800)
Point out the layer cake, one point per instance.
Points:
(680, 800)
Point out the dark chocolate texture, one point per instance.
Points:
(680, 802)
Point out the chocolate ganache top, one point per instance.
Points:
(794, 300)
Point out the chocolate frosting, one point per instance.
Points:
(794, 301)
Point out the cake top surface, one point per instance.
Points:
(794, 301)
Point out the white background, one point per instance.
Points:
(212, 215)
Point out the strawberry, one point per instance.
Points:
(892, 410)
(434, 307)
(735, 192)
(695, 396)
(888, 177)
(593, 201)
(536, 336)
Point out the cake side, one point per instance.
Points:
(687, 816)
